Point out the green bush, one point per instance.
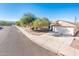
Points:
(40, 22)
(18, 23)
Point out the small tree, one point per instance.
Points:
(27, 19)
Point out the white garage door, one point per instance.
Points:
(64, 30)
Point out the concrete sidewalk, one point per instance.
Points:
(59, 45)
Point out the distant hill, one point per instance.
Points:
(6, 22)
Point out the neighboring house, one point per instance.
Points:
(64, 28)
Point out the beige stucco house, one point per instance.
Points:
(64, 27)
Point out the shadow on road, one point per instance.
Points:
(1, 28)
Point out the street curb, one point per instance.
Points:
(41, 42)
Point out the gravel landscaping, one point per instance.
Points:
(75, 44)
(35, 32)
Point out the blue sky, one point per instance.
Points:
(53, 11)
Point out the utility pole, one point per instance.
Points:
(75, 20)
(76, 26)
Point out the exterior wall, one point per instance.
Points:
(64, 30)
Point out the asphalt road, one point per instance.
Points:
(15, 43)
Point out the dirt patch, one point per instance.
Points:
(75, 44)
(35, 32)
